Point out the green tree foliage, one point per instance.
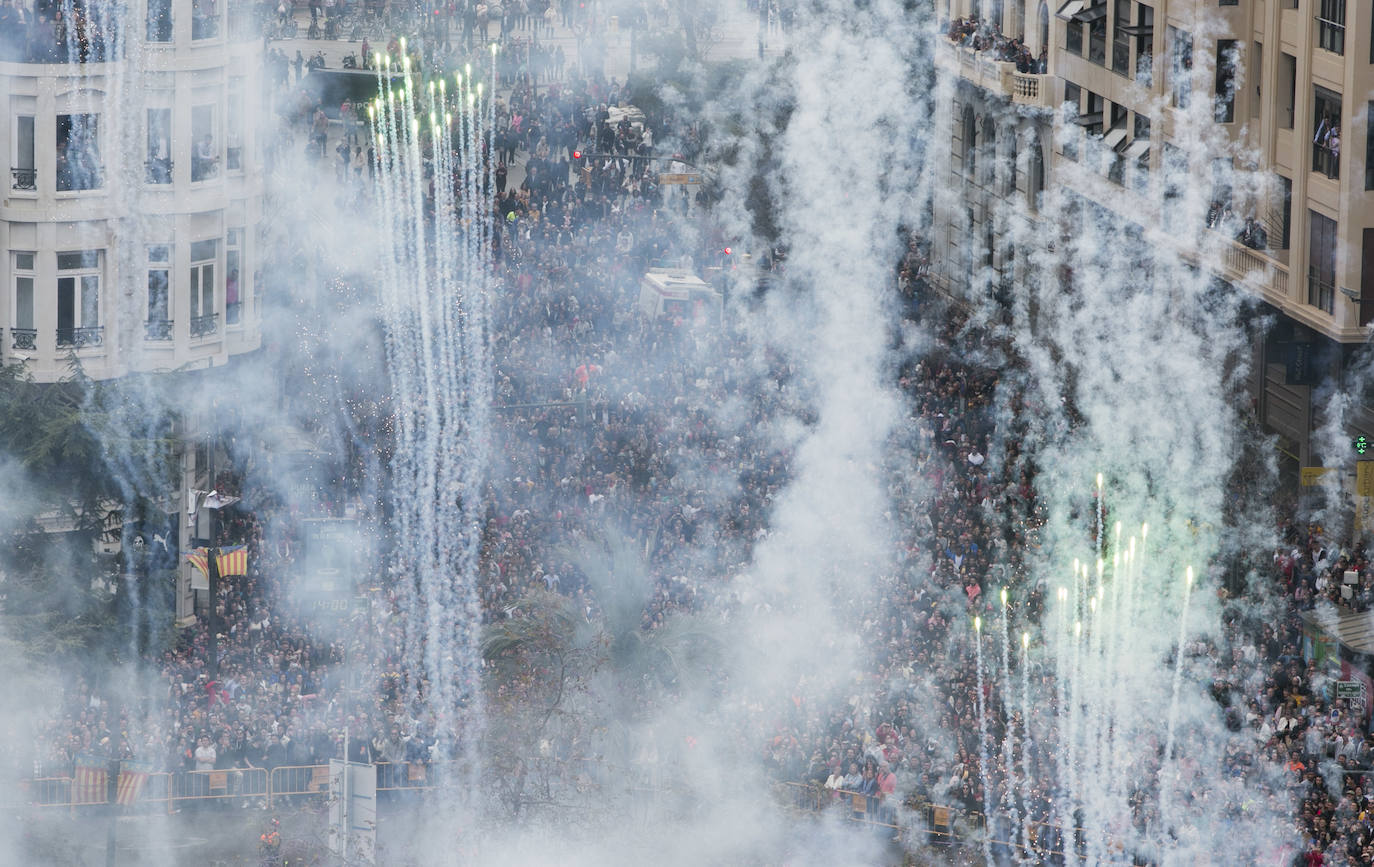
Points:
(78, 456)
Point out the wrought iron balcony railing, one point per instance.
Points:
(158, 329)
(24, 338)
(202, 326)
(79, 338)
(159, 171)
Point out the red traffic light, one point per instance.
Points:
(727, 251)
(577, 155)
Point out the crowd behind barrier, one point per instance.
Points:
(237, 788)
(615, 420)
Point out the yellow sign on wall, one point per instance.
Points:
(1312, 475)
(1364, 478)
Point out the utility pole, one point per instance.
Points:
(112, 805)
(212, 571)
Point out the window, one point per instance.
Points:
(233, 134)
(78, 152)
(1174, 169)
(1036, 169)
(1144, 33)
(233, 266)
(159, 164)
(1288, 89)
(22, 174)
(1180, 67)
(204, 148)
(204, 19)
(23, 335)
(78, 299)
(1009, 186)
(1321, 262)
(1121, 40)
(1282, 208)
(1326, 136)
(1073, 41)
(1366, 278)
(1228, 59)
(988, 145)
(1072, 95)
(159, 324)
(203, 318)
(1369, 146)
(159, 20)
(1331, 25)
(1137, 153)
(1096, 19)
(970, 130)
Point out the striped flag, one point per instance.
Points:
(233, 561)
(200, 559)
(88, 786)
(132, 776)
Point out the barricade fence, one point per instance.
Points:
(239, 786)
(939, 824)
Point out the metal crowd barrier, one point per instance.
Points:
(943, 825)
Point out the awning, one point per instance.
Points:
(1138, 149)
(1088, 119)
(1114, 138)
(1070, 9)
(1091, 14)
(1353, 629)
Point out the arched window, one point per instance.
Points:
(970, 144)
(989, 147)
(1044, 15)
(1012, 168)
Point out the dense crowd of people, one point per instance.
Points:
(611, 416)
(985, 35)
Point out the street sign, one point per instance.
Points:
(1349, 689)
(687, 178)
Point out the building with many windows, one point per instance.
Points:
(1289, 86)
(133, 189)
(132, 201)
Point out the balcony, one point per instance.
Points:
(996, 76)
(204, 326)
(24, 179)
(80, 338)
(24, 338)
(158, 329)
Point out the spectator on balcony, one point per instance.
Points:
(12, 31)
(1253, 234)
(205, 161)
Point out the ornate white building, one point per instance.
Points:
(132, 199)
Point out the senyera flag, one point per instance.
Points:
(88, 784)
(233, 561)
(132, 776)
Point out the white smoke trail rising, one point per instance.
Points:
(1009, 731)
(984, 768)
(1167, 764)
(440, 366)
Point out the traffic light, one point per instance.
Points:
(577, 155)
(726, 251)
